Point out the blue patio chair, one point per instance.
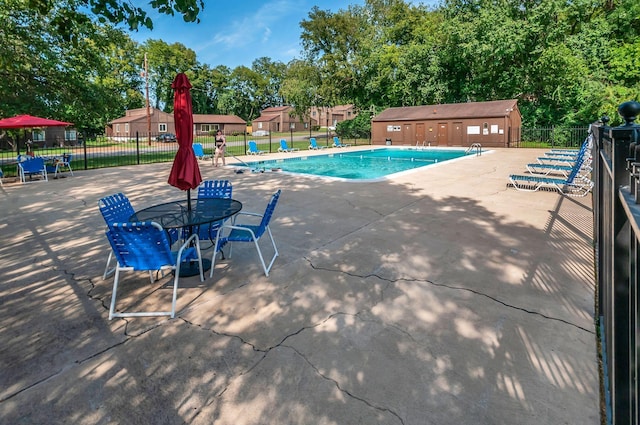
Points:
(117, 208)
(114, 208)
(284, 147)
(144, 246)
(240, 232)
(313, 144)
(1, 177)
(198, 150)
(213, 189)
(32, 167)
(573, 185)
(338, 144)
(253, 148)
(61, 162)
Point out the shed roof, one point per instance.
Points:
(495, 108)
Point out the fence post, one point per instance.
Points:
(137, 149)
(617, 238)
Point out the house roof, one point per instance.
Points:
(266, 118)
(496, 108)
(342, 108)
(128, 119)
(217, 119)
(275, 109)
(140, 115)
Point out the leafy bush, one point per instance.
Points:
(359, 127)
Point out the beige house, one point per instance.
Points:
(492, 124)
(135, 122)
(332, 115)
(280, 119)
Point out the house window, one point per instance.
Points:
(485, 129)
(70, 135)
(162, 127)
(348, 113)
(117, 128)
(205, 128)
(313, 113)
(126, 128)
(259, 125)
(37, 135)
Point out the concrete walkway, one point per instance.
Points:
(440, 297)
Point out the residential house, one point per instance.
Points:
(330, 116)
(280, 119)
(135, 122)
(492, 124)
(208, 123)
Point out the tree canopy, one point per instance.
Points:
(567, 63)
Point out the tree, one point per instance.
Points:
(87, 82)
(301, 87)
(69, 16)
(164, 62)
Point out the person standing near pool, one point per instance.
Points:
(221, 143)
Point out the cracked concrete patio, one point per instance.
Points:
(438, 297)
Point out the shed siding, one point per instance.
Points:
(463, 130)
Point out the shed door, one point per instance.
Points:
(420, 139)
(443, 134)
(407, 134)
(457, 134)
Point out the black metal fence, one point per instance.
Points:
(147, 149)
(549, 137)
(616, 206)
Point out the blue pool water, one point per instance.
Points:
(360, 165)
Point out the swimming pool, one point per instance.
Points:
(360, 165)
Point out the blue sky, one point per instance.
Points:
(234, 33)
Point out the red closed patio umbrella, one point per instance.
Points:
(185, 173)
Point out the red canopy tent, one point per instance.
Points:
(29, 121)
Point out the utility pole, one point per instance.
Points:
(146, 76)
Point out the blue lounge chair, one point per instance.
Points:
(337, 144)
(198, 150)
(144, 246)
(32, 167)
(562, 168)
(313, 145)
(573, 185)
(249, 233)
(253, 148)
(567, 157)
(284, 147)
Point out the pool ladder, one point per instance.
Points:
(477, 147)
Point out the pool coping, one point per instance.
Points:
(305, 154)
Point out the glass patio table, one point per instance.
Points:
(178, 215)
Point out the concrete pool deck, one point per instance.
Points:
(438, 297)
